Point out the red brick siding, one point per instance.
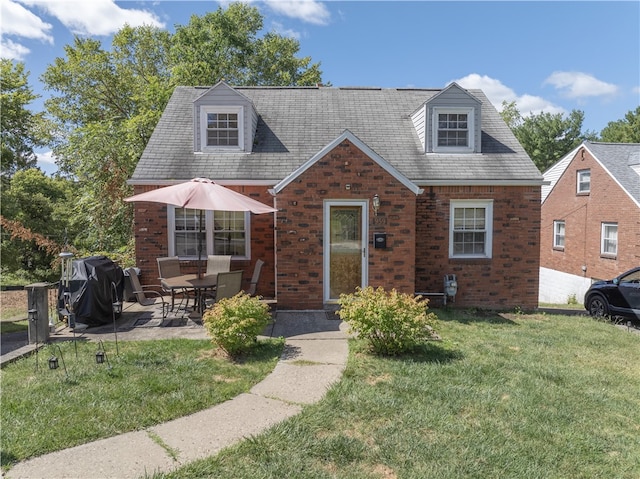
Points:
(416, 257)
(583, 216)
(508, 280)
(150, 227)
(300, 226)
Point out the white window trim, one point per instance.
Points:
(578, 182)
(208, 244)
(602, 239)
(555, 233)
(205, 110)
(488, 206)
(470, 129)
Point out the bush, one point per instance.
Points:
(392, 322)
(235, 323)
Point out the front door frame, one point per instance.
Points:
(364, 212)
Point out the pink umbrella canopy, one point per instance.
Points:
(203, 194)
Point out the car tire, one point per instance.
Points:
(597, 306)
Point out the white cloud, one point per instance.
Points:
(46, 162)
(309, 11)
(578, 84)
(497, 92)
(96, 17)
(285, 32)
(18, 21)
(12, 51)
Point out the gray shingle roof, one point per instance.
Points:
(622, 160)
(296, 122)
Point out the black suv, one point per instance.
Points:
(619, 296)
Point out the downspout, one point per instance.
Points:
(275, 243)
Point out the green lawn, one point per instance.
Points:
(149, 382)
(517, 396)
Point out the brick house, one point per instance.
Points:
(382, 187)
(590, 219)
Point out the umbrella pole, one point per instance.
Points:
(200, 245)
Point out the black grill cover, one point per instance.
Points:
(92, 292)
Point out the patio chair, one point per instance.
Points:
(217, 263)
(253, 285)
(228, 285)
(142, 294)
(169, 267)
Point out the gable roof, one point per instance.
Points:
(453, 86)
(347, 135)
(621, 161)
(295, 123)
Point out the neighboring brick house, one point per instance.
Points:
(434, 175)
(590, 219)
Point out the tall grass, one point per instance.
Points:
(518, 396)
(149, 382)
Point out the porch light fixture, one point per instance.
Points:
(376, 204)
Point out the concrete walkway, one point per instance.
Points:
(314, 358)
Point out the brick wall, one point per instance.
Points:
(150, 227)
(583, 216)
(416, 257)
(510, 278)
(345, 173)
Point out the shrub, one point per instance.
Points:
(235, 323)
(391, 322)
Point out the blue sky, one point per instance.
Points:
(546, 56)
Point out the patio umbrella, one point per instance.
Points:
(203, 194)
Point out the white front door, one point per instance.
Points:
(345, 247)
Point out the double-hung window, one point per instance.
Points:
(187, 232)
(609, 241)
(221, 128)
(219, 232)
(558, 234)
(453, 129)
(471, 230)
(230, 233)
(584, 182)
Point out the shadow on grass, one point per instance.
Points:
(259, 352)
(7, 327)
(468, 316)
(431, 352)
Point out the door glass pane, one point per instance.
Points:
(345, 261)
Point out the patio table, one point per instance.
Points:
(191, 281)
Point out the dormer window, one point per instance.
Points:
(453, 129)
(221, 128)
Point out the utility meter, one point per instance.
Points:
(450, 285)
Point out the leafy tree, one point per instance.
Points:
(107, 106)
(106, 103)
(626, 130)
(36, 217)
(19, 132)
(224, 45)
(546, 137)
